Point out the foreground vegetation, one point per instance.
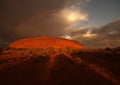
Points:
(104, 62)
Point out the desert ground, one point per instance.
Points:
(20, 66)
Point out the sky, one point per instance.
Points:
(103, 11)
(94, 23)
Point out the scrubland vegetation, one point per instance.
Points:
(104, 62)
(8, 55)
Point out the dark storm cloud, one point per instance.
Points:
(111, 30)
(110, 34)
(106, 36)
(51, 25)
(15, 14)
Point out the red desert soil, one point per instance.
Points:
(30, 67)
(46, 42)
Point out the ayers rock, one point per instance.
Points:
(46, 42)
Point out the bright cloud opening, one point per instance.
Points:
(89, 35)
(68, 37)
(73, 15)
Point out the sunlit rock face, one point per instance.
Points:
(46, 42)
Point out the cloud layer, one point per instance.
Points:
(30, 18)
(106, 36)
(26, 18)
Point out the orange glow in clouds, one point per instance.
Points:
(73, 15)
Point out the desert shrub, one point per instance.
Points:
(1, 49)
(60, 50)
(108, 49)
(38, 59)
(41, 57)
